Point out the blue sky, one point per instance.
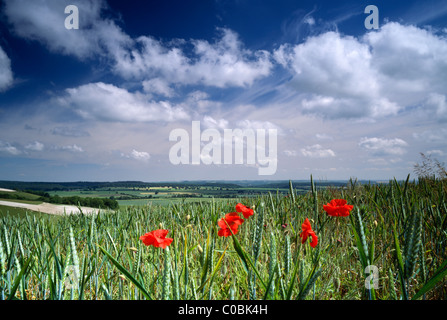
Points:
(98, 103)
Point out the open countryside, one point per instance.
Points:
(136, 193)
(310, 241)
(223, 151)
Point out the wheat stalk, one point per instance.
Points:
(272, 263)
(166, 285)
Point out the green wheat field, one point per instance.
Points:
(392, 246)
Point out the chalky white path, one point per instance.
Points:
(50, 208)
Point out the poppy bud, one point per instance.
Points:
(199, 248)
(188, 217)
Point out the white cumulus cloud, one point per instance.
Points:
(106, 102)
(317, 151)
(435, 152)
(43, 21)
(70, 148)
(373, 76)
(140, 155)
(210, 122)
(158, 86)
(6, 76)
(380, 146)
(35, 146)
(436, 104)
(137, 155)
(6, 147)
(224, 63)
(431, 135)
(290, 153)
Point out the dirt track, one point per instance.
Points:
(49, 208)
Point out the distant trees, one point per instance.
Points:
(104, 203)
(37, 192)
(12, 196)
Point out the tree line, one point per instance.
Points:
(102, 203)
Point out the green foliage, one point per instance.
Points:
(397, 226)
(40, 196)
(104, 203)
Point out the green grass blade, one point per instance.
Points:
(291, 191)
(270, 282)
(19, 278)
(245, 258)
(292, 280)
(313, 276)
(362, 254)
(400, 262)
(219, 262)
(438, 276)
(127, 274)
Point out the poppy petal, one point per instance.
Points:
(307, 231)
(246, 211)
(338, 207)
(156, 238)
(314, 241)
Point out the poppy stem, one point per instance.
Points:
(323, 224)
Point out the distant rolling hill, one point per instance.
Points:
(234, 184)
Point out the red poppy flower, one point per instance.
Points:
(233, 221)
(338, 208)
(156, 238)
(307, 231)
(246, 211)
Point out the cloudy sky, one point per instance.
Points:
(98, 103)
